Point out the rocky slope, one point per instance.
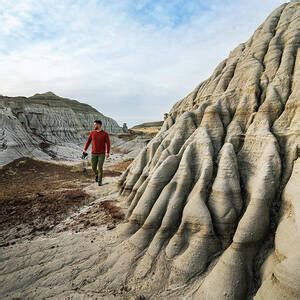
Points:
(46, 126)
(214, 197)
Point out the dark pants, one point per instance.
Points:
(97, 165)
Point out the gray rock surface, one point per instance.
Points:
(46, 126)
(205, 197)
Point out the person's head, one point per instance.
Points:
(97, 124)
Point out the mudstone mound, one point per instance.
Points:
(213, 208)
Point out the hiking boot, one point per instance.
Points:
(100, 182)
(96, 178)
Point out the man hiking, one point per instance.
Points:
(100, 146)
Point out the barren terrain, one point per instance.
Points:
(55, 221)
(36, 196)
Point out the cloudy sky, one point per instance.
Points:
(130, 59)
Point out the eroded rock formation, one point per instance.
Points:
(46, 125)
(205, 196)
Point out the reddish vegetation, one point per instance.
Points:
(38, 195)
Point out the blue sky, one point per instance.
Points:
(132, 60)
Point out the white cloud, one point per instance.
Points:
(129, 62)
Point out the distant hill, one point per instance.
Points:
(149, 128)
(46, 126)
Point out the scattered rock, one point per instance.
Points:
(111, 226)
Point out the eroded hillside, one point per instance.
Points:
(205, 196)
(46, 126)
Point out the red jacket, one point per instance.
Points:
(99, 140)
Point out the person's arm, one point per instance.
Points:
(107, 143)
(87, 143)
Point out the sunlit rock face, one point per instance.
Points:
(46, 126)
(214, 198)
